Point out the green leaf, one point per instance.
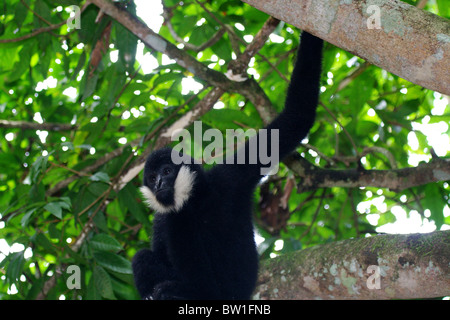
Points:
(223, 119)
(128, 197)
(89, 86)
(24, 63)
(26, 217)
(223, 50)
(104, 242)
(100, 221)
(364, 128)
(201, 34)
(40, 239)
(103, 283)
(92, 291)
(439, 118)
(167, 77)
(124, 290)
(15, 266)
(20, 14)
(171, 3)
(37, 192)
(126, 43)
(435, 203)
(38, 166)
(66, 203)
(113, 262)
(35, 289)
(100, 176)
(98, 188)
(79, 66)
(44, 61)
(54, 208)
(43, 11)
(443, 8)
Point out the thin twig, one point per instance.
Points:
(167, 14)
(36, 14)
(40, 30)
(47, 126)
(316, 213)
(383, 151)
(343, 128)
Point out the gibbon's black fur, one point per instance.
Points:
(203, 243)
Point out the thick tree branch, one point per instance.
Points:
(397, 179)
(409, 42)
(363, 67)
(34, 33)
(380, 267)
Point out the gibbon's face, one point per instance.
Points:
(167, 186)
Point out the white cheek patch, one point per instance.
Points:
(183, 186)
(152, 202)
(183, 189)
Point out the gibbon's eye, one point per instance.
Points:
(167, 171)
(152, 179)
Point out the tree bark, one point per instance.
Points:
(407, 41)
(396, 179)
(381, 267)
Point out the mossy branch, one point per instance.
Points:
(381, 267)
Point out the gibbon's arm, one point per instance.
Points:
(294, 122)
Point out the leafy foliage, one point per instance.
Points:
(60, 199)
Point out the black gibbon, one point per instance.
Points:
(203, 244)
